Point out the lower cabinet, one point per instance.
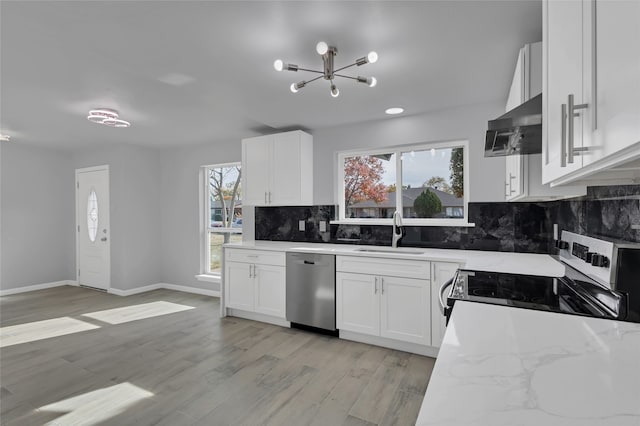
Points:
(255, 287)
(378, 305)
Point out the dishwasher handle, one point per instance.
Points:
(309, 262)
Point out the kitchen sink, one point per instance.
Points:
(389, 250)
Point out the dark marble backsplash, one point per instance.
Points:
(612, 211)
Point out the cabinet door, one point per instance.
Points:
(286, 169)
(442, 272)
(405, 309)
(617, 74)
(255, 170)
(562, 75)
(239, 285)
(270, 290)
(514, 178)
(357, 303)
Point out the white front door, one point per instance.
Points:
(92, 227)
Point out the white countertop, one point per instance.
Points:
(492, 261)
(509, 366)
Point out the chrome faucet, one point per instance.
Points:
(398, 230)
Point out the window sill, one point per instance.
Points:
(226, 230)
(210, 278)
(406, 222)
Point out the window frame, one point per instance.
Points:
(398, 150)
(205, 221)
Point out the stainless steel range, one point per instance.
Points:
(602, 279)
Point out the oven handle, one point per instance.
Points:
(443, 288)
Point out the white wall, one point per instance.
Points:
(38, 216)
(465, 123)
(134, 174)
(155, 199)
(180, 208)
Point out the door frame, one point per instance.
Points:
(104, 167)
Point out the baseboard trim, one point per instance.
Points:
(36, 287)
(132, 291)
(115, 291)
(414, 348)
(194, 290)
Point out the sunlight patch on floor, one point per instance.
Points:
(137, 312)
(94, 407)
(38, 330)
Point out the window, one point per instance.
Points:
(432, 179)
(223, 211)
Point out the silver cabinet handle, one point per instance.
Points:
(375, 286)
(265, 197)
(103, 239)
(506, 187)
(269, 197)
(563, 138)
(571, 114)
(382, 284)
(511, 190)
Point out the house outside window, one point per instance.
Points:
(433, 182)
(223, 212)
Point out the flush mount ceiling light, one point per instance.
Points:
(394, 110)
(108, 117)
(329, 73)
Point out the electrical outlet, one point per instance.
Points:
(301, 225)
(323, 226)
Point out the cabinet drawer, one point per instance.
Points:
(262, 257)
(383, 266)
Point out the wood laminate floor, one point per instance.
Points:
(78, 356)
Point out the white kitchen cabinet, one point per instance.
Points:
(357, 303)
(523, 173)
(270, 290)
(278, 169)
(255, 281)
(404, 309)
(564, 73)
(440, 274)
(393, 307)
(617, 78)
(240, 286)
(590, 52)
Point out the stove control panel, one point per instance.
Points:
(583, 253)
(591, 256)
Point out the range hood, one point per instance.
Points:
(519, 131)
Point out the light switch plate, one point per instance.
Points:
(323, 226)
(301, 225)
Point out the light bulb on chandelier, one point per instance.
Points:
(329, 72)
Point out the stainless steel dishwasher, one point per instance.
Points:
(311, 290)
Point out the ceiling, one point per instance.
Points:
(195, 72)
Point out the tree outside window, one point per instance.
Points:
(224, 210)
(430, 181)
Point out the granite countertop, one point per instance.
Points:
(524, 367)
(492, 261)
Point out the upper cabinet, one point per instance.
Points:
(523, 180)
(591, 69)
(277, 170)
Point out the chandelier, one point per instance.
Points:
(329, 73)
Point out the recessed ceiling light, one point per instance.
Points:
(108, 117)
(394, 110)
